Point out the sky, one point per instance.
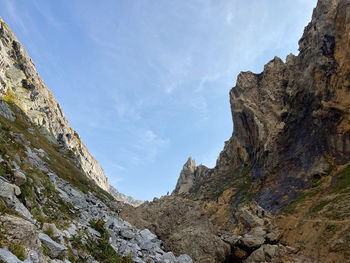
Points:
(146, 83)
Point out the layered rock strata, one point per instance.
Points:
(21, 84)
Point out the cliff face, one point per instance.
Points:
(291, 122)
(292, 119)
(21, 84)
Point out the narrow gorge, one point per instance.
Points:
(279, 191)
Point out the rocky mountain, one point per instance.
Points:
(55, 204)
(283, 178)
(21, 85)
(124, 198)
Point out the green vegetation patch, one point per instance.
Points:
(343, 181)
(10, 97)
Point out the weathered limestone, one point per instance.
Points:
(21, 84)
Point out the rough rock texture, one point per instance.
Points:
(183, 226)
(124, 198)
(54, 249)
(20, 231)
(293, 118)
(291, 122)
(21, 84)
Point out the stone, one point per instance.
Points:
(183, 259)
(53, 229)
(147, 235)
(19, 230)
(257, 256)
(17, 190)
(264, 254)
(8, 257)
(252, 242)
(127, 233)
(5, 111)
(274, 236)
(8, 192)
(20, 178)
(53, 248)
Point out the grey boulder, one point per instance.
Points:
(54, 249)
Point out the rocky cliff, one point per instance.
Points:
(286, 164)
(21, 84)
(124, 198)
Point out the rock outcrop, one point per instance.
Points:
(183, 226)
(21, 84)
(292, 119)
(291, 122)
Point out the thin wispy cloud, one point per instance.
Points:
(148, 145)
(15, 16)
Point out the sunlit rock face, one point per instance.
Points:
(293, 118)
(21, 84)
(291, 121)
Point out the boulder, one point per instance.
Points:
(18, 230)
(8, 192)
(273, 237)
(53, 248)
(264, 254)
(8, 257)
(20, 178)
(5, 111)
(183, 259)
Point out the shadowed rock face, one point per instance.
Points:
(293, 118)
(292, 121)
(21, 84)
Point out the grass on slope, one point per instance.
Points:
(61, 160)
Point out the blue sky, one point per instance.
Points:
(145, 83)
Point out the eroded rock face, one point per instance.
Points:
(182, 225)
(21, 84)
(294, 117)
(291, 121)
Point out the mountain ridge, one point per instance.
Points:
(21, 84)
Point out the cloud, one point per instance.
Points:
(147, 147)
(229, 17)
(46, 12)
(15, 16)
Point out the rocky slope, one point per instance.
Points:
(124, 198)
(286, 165)
(55, 204)
(21, 84)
